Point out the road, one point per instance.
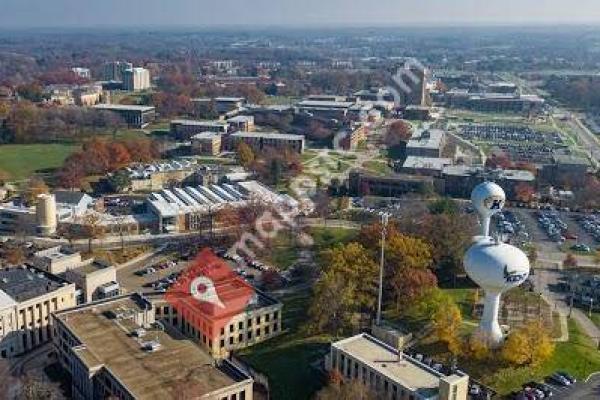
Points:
(547, 282)
(589, 140)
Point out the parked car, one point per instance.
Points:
(559, 380)
(540, 386)
(567, 376)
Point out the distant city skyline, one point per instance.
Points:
(321, 13)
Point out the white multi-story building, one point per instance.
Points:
(27, 298)
(115, 349)
(391, 373)
(136, 79)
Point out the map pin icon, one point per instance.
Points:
(203, 289)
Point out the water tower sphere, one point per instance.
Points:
(496, 267)
(488, 198)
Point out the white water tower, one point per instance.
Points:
(495, 266)
(488, 199)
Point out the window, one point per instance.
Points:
(222, 331)
(258, 332)
(266, 330)
(276, 315)
(243, 395)
(231, 340)
(249, 323)
(231, 328)
(267, 317)
(241, 325)
(222, 342)
(240, 338)
(249, 335)
(258, 320)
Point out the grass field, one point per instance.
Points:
(22, 160)
(578, 356)
(287, 360)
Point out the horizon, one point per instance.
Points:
(194, 14)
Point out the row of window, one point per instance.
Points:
(349, 369)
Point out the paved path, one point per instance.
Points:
(545, 281)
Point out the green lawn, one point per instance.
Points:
(23, 160)
(325, 238)
(287, 360)
(377, 167)
(578, 356)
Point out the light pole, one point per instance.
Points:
(384, 223)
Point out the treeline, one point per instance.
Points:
(28, 123)
(98, 157)
(578, 92)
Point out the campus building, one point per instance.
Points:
(27, 298)
(392, 374)
(260, 141)
(429, 143)
(184, 129)
(206, 143)
(189, 208)
(361, 183)
(135, 116)
(244, 123)
(116, 349)
(325, 108)
(136, 79)
(495, 102)
(114, 70)
(260, 320)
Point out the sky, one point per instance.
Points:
(297, 13)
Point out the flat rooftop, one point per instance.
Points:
(269, 135)
(192, 122)
(429, 139)
(403, 369)
(123, 107)
(22, 284)
(163, 374)
(426, 162)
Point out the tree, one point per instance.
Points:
(350, 390)
(500, 160)
(92, 228)
(347, 286)
(524, 192)
(449, 236)
(444, 205)
(119, 181)
(321, 202)
(570, 261)
(447, 322)
(14, 255)
(528, 345)
(245, 154)
(397, 132)
(35, 187)
(477, 348)
(411, 284)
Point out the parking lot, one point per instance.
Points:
(520, 143)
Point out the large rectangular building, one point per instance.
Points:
(136, 79)
(116, 349)
(27, 298)
(184, 129)
(187, 208)
(391, 373)
(260, 320)
(135, 116)
(429, 143)
(260, 141)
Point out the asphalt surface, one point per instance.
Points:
(589, 390)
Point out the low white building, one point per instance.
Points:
(391, 373)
